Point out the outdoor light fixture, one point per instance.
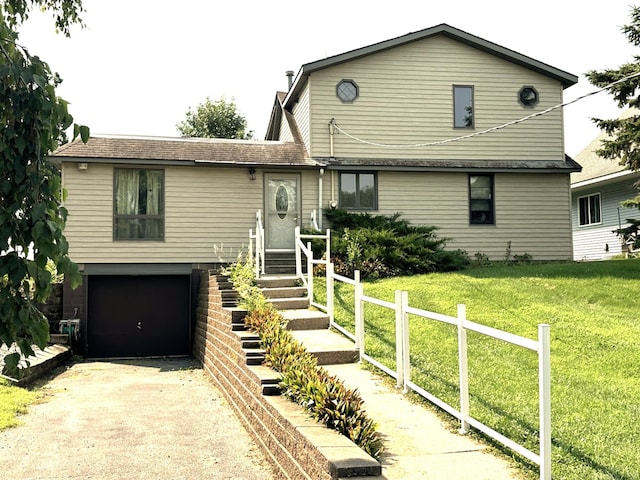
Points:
(252, 173)
(83, 166)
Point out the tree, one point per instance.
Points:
(33, 121)
(219, 119)
(624, 144)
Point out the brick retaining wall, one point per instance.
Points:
(295, 445)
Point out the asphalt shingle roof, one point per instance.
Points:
(186, 150)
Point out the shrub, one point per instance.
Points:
(384, 246)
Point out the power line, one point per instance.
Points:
(483, 132)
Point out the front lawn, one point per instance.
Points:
(13, 402)
(595, 354)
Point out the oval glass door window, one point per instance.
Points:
(282, 201)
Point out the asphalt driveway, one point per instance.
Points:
(139, 419)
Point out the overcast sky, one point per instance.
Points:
(140, 64)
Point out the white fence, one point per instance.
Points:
(402, 374)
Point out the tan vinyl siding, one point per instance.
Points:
(532, 211)
(405, 97)
(205, 220)
(285, 131)
(301, 113)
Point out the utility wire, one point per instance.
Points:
(483, 132)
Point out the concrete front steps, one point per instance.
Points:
(309, 327)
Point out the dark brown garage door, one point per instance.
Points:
(138, 316)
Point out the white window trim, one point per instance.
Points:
(596, 194)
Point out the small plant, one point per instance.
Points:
(524, 258)
(481, 260)
(507, 252)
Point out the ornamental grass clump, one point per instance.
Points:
(323, 396)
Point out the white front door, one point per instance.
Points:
(282, 206)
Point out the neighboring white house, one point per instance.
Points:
(596, 193)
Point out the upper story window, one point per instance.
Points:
(463, 106)
(528, 96)
(138, 204)
(358, 191)
(347, 91)
(481, 201)
(589, 211)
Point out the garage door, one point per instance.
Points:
(138, 316)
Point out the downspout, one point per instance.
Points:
(332, 202)
(331, 133)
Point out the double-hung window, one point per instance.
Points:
(481, 201)
(589, 211)
(138, 204)
(463, 106)
(358, 191)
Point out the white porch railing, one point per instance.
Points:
(402, 374)
(300, 248)
(258, 253)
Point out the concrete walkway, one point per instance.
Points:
(141, 419)
(417, 443)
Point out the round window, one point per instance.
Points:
(347, 91)
(528, 96)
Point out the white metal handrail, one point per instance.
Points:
(258, 254)
(300, 249)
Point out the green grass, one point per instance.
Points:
(13, 402)
(595, 354)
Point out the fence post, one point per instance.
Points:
(406, 362)
(402, 339)
(327, 244)
(463, 368)
(359, 314)
(330, 298)
(544, 385)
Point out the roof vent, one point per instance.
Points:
(289, 78)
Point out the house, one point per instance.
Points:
(406, 125)
(596, 193)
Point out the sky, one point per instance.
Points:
(139, 65)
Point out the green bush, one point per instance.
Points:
(384, 246)
(323, 396)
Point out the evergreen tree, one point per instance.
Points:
(624, 142)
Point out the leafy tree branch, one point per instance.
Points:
(33, 121)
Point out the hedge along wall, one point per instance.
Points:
(295, 445)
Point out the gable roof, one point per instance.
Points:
(184, 151)
(595, 168)
(565, 78)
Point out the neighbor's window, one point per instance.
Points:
(358, 191)
(138, 204)
(481, 204)
(463, 106)
(589, 209)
